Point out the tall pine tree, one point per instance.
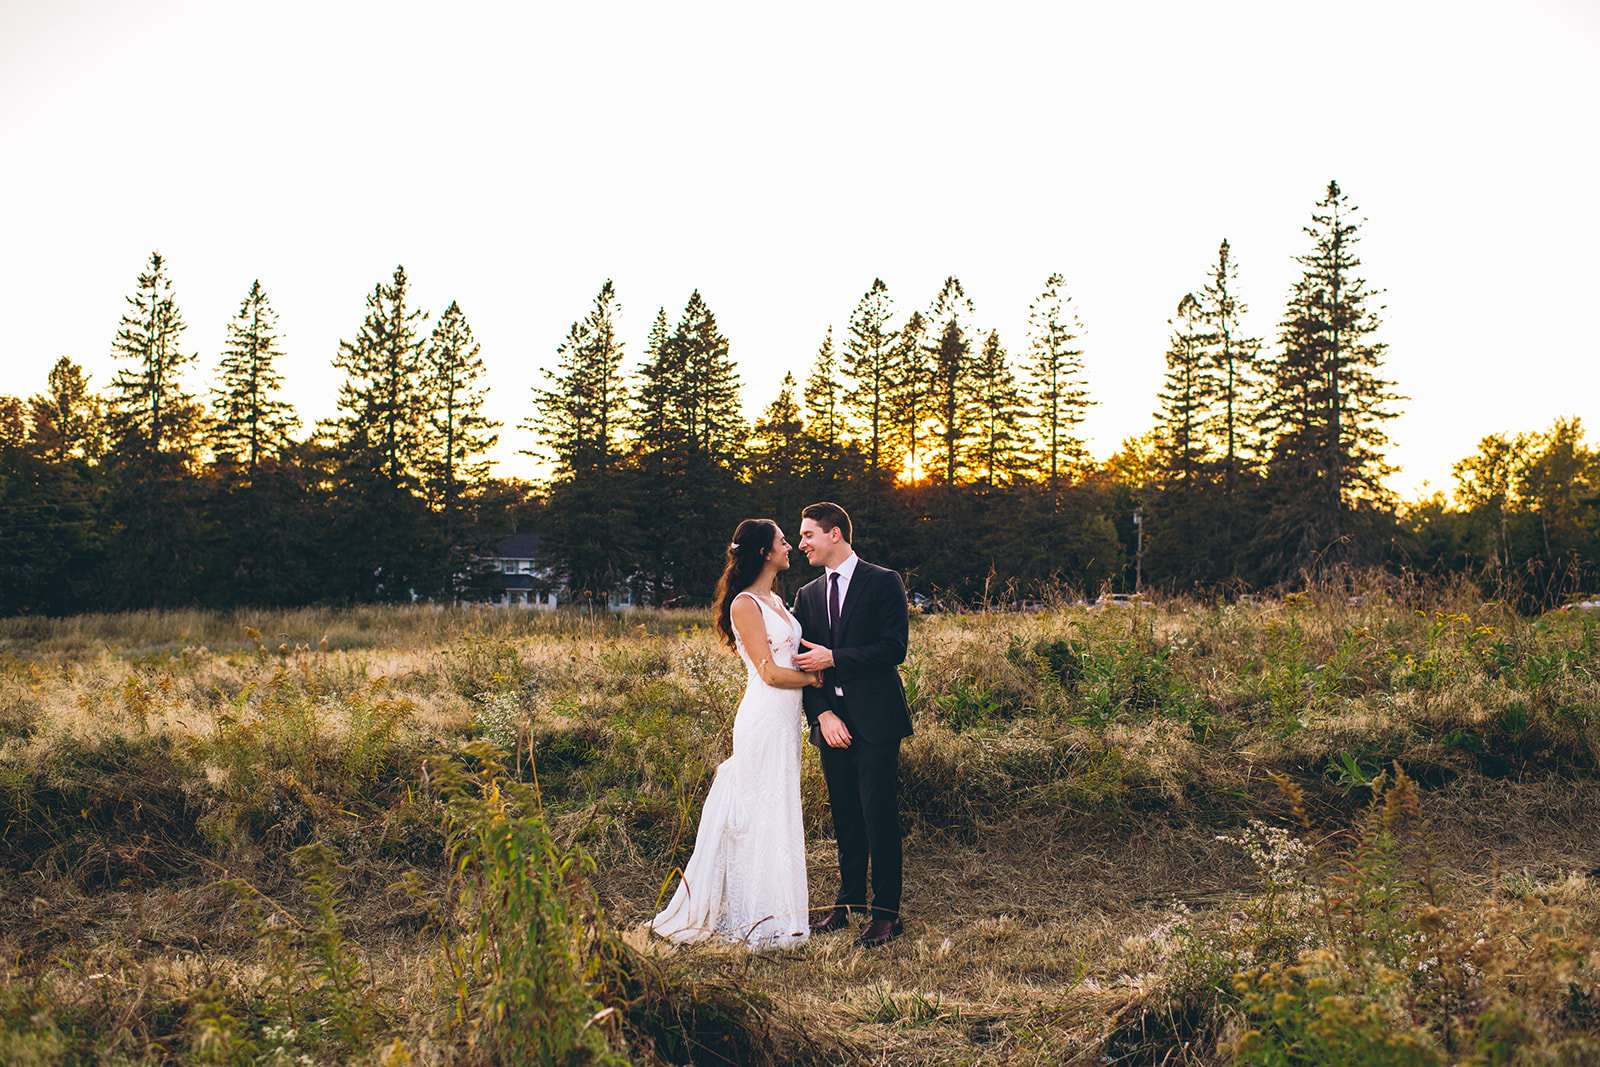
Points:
(870, 360)
(999, 408)
(908, 398)
(1233, 356)
(388, 546)
(716, 426)
(1180, 535)
(156, 532)
(949, 353)
(457, 435)
(581, 417)
(1055, 375)
(249, 421)
(829, 452)
(152, 417)
(822, 396)
(581, 422)
(952, 399)
(776, 440)
(1186, 399)
(382, 400)
(664, 447)
(1328, 402)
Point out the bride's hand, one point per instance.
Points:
(816, 679)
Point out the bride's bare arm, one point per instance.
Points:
(752, 630)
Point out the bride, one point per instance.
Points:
(746, 881)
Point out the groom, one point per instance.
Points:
(853, 619)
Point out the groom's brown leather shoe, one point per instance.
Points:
(836, 918)
(880, 931)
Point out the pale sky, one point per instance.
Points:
(778, 158)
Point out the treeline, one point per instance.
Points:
(960, 456)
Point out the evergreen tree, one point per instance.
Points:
(151, 416)
(387, 546)
(951, 395)
(822, 395)
(830, 457)
(264, 530)
(1181, 533)
(155, 529)
(870, 358)
(49, 525)
(951, 305)
(1328, 403)
(716, 426)
(382, 400)
(588, 526)
(275, 541)
(948, 348)
(457, 435)
(1233, 357)
(660, 463)
(249, 422)
(1055, 373)
(582, 415)
(717, 434)
(776, 443)
(660, 422)
(14, 429)
(1187, 398)
(908, 399)
(999, 408)
(68, 420)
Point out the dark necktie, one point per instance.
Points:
(833, 605)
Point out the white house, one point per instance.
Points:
(518, 578)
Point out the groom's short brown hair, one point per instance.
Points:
(829, 515)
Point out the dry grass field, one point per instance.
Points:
(1356, 825)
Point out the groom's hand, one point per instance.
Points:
(815, 658)
(834, 731)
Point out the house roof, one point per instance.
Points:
(516, 581)
(518, 546)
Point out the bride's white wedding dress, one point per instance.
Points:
(746, 881)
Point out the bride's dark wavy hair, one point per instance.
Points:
(752, 540)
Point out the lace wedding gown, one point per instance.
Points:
(746, 881)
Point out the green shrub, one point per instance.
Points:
(481, 663)
(1395, 974)
(522, 962)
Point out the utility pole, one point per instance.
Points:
(1138, 551)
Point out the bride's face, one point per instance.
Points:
(779, 555)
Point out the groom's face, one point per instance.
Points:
(820, 546)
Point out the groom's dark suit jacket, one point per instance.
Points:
(873, 633)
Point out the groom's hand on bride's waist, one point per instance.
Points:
(814, 658)
(834, 731)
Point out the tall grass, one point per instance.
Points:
(424, 833)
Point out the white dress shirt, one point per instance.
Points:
(844, 570)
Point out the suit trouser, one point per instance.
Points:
(864, 795)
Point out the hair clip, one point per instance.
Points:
(733, 545)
